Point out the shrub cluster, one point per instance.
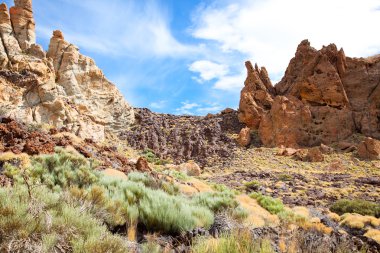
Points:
(358, 206)
(114, 202)
(49, 223)
(272, 205)
(236, 242)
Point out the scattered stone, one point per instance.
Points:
(369, 149)
(287, 151)
(142, 165)
(326, 149)
(314, 155)
(244, 138)
(190, 168)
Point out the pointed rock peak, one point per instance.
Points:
(57, 34)
(249, 66)
(3, 7)
(304, 43)
(23, 23)
(25, 4)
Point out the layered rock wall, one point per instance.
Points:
(59, 88)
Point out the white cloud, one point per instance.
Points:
(230, 83)
(191, 108)
(208, 70)
(158, 105)
(268, 32)
(187, 108)
(121, 28)
(209, 109)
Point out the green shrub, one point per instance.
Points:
(56, 171)
(289, 217)
(151, 157)
(48, 220)
(358, 206)
(272, 205)
(285, 177)
(176, 174)
(140, 199)
(239, 213)
(158, 210)
(216, 201)
(253, 185)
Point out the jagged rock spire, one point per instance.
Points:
(23, 23)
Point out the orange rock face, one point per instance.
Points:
(256, 96)
(324, 97)
(369, 149)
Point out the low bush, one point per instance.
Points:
(47, 223)
(253, 185)
(56, 171)
(216, 201)
(151, 157)
(272, 205)
(158, 210)
(285, 177)
(115, 202)
(239, 213)
(236, 242)
(362, 207)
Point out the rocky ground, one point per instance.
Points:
(319, 184)
(183, 138)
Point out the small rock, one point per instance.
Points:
(142, 164)
(325, 149)
(314, 155)
(369, 149)
(287, 151)
(244, 137)
(190, 168)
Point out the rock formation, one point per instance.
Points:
(184, 138)
(61, 88)
(324, 97)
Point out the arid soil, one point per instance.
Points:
(298, 183)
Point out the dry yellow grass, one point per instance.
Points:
(22, 158)
(359, 221)
(373, 234)
(115, 173)
(258, 216)
(301, 211)
(335, 217)
(75, 139)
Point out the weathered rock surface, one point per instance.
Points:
(244, 138)
(369, 149)
(61, 88)
(18, 138)
(185, 138)
(256, 96)
(324, 97)
(23, 23)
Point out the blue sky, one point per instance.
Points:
(187, 56)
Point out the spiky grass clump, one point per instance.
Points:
(139, 200)
(57, 171)
(272, 205)
(158, 210)
(216, 201)
(236, 242)
(48, 223)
